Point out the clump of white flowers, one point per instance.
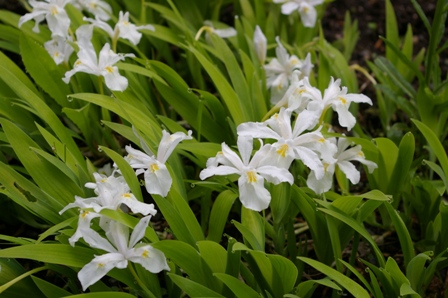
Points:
(112, 192)
(60, 47)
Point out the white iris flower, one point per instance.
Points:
(59, 49)
(99, 8)
(260, 44)
(280, 69)
(53, 12)
(157, 177)
(342, 159)
(292, 143)
(123, 29)
(103, 66)
(120, 250)
(112, 192)
(253, 194)
(306, 9)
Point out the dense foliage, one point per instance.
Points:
(217, 149)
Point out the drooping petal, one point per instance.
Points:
(220, 171)
(257, 130)
(136, 206)
(99, 267)
(319, 186)
(289, 7)
(158, 179)
(225, 33)
(276, 175)
(310, 159)
(350, 171)
(253, 195)
(308, 15)
(346, 119)
(85, 218)
(114, 81)
(150, 258)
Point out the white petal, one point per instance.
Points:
(150, 258)
(289, 7)
(358, 98)
(253, 195)
(114, 81)
(158, 179)
(136, 206)
(257, 130)
(220, 171)
(260, 44)
(346, 119)
(139, 231)
(96, 241)
(319, 186)
(350, 171)
(169, 143)
(276, 175)
(99, 267)
(308, 15)
(225, 33)
(84, 220)
(245, 146)
(310, 159)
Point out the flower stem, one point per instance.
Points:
(148, 293)
(20, 277)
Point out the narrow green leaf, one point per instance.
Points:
(226, 91)
(62, 254)
(434, 143)
(358, 228)
(103, 295)
(403, 234)
(351, 286)
(219, 214)
(358, 275)
(238, 288)
(192, 288)
(127, 172)
(49, 290)
(44, 70)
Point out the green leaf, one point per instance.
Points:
(355, 289)
(358, 228)
(391, 31)
(184, 256)
(103, 295)
(403, 234)
(49, 290)
(238, 288)
(44, 70)
(18, 82)
(434, 143)
(226, 91)
(415, 271)
(219, 214)
(403, 164)
(47, 176)
(26, 194)
(127, 172)
(192, 288)
(62, 254)
(23, 289)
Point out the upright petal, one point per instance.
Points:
(169, 143)
(260, 44)
(139, 231)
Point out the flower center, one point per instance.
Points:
(252, 176)
(127, 195)
(54, 11)
(360, 153)
(84, 214)
(109, 69)
(282, 150)
(154, 167)
(343, 100)
(145, 253)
